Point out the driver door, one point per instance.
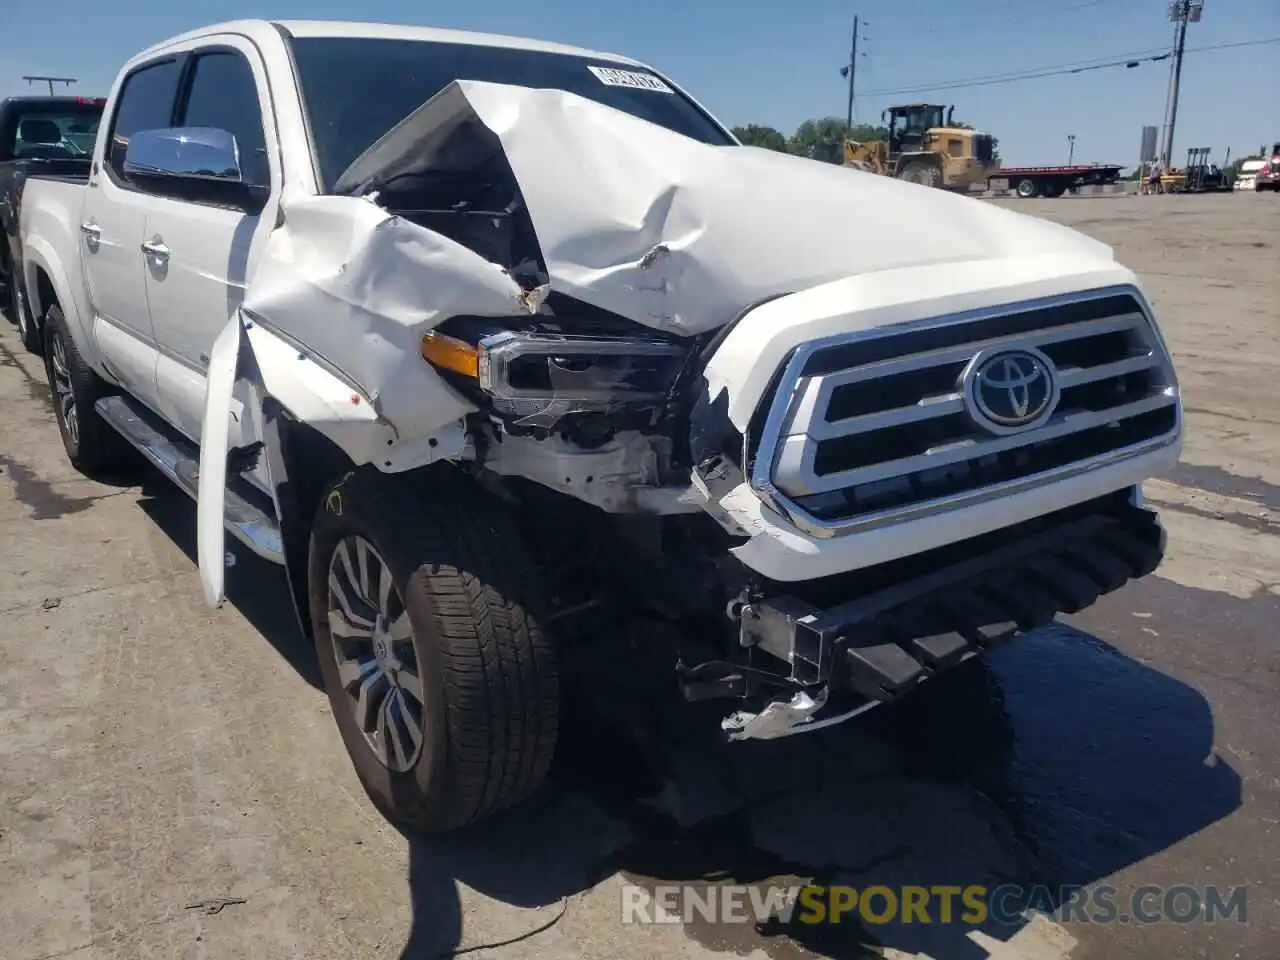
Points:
(201, 250)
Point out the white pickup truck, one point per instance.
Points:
(502, 348)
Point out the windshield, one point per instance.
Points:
(355, 89)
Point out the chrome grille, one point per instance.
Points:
(870, 426)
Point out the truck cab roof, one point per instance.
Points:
(52, 103)
(388, 31)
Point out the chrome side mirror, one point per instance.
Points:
(184, 153)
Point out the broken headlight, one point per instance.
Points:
(535, 379)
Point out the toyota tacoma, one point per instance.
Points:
(507, 351)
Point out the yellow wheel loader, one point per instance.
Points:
(924, 148)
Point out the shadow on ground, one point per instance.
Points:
(255, 587)
(1055, 761)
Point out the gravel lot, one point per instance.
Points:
(154, 754)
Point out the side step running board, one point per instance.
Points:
(179, 460)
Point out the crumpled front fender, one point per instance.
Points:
(261, 368)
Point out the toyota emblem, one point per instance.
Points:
(1007, 391)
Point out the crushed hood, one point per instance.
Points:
(680, 235)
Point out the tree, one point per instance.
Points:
(823, 139)
(820, 140)
(865, 132)
(755, 135)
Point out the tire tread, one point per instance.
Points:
(501, 682)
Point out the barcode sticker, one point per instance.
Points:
(614, 77)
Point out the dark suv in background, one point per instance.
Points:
(55, 135)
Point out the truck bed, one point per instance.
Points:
(81, 179)
(48, 204)
(1071, 171)
(1053, 181)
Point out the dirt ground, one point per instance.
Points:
(155, 754)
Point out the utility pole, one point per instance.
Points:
(1071, 152)
(51, 81)
(849, 70)
(1181, 12)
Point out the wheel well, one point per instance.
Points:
(926, 158)
(46, 296)
(308, 462)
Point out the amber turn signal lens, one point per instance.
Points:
(448, 353)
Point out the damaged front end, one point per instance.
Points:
(538, 288)
(441, 306)
(852, 642)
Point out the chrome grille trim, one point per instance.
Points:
(785, 471)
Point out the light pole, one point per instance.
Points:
(1071, 151)
(1181, 12)
(850, 70)
(51, 81)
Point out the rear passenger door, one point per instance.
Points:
(111, 229)
(209, 248)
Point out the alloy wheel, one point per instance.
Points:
(20, 312)
(63, 395)
(373, 646)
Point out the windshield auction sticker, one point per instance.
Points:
(613, 77)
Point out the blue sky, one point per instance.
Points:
(778, 63)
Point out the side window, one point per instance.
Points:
(223, 94)
(145, 103)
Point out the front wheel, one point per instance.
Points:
(426, 615)
(924, 174)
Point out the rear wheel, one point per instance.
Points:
(20, 312)
(91, 445)
(426, 615)
(1027, 188)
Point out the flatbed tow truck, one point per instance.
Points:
(1028, 182)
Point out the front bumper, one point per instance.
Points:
(780, 551)
(933, 611)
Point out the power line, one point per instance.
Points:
(1048, 70)
(1123, 60)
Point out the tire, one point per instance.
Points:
(459, 632)
(92, 446)
(1027, 188)
(20, 314)
(925, 174)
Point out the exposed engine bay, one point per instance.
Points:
(566, 369)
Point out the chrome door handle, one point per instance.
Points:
(90, 229)
(156, 248)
